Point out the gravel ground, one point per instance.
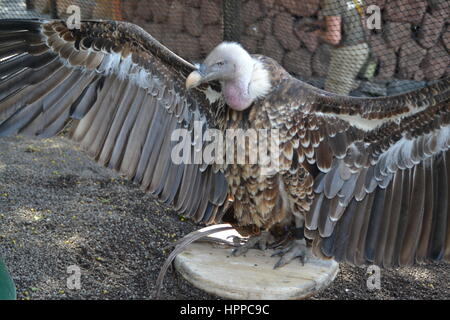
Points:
(58, 208)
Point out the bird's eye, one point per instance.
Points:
(220, 63)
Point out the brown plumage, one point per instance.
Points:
(369, 177)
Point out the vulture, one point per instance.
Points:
(360, 180)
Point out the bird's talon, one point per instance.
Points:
(277, 253)
(260, 241)
(236, 240)
(297, 249)
(302, 260)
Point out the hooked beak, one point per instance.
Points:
(194, 79)
(201, 75)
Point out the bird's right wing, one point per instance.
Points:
(124, 92)
(381, 170)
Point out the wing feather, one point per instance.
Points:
(123, 95)
(440, 216)
(416, 210)
(382, 194)
(123, 110)
(375, 221)
(429, 204)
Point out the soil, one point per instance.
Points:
(58, 209)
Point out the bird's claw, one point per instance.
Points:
(260, 241)
(297, 249)
(236, 240)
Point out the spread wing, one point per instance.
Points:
(382, 173)
(124, 94)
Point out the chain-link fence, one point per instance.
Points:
(357, 47)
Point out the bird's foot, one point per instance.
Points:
(296, 249)
(260, 241)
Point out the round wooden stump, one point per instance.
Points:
(213, 269)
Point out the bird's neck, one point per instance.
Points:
(253, 82)
(236, 94)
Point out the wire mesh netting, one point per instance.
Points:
(356, 47)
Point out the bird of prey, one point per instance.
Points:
(362, 180)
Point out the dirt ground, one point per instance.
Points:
(58, 208)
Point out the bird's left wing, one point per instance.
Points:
(381, 170)
(125, 93)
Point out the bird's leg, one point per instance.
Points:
(295, 249)
(260, 241)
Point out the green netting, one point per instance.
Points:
(357, 47)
